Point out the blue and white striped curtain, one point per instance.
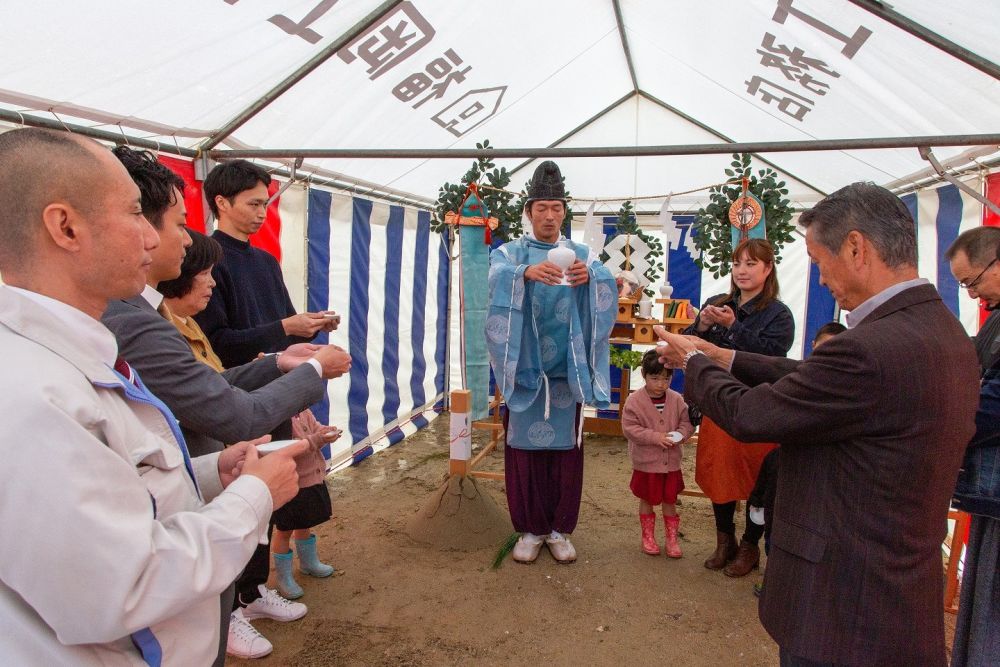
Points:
(941, 215)
(386, 273)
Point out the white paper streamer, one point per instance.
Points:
(671, 235)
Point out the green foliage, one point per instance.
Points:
(628, 224)
(482, 171)
(713, 233)
(505, 548)
(622, 358)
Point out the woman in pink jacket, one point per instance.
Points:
(655, 421)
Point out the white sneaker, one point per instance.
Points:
(561, 548)
(527, 548)
(244, 641)
(273, 606)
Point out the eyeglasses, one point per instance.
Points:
(975, 281)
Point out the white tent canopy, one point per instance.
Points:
(430, 74)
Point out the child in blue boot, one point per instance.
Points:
(309, 508)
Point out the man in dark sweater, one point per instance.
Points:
(250, 311)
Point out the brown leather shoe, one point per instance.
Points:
(725, 550)
(747, 560)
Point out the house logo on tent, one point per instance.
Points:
(470, 110)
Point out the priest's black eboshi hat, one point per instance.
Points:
(547, 183)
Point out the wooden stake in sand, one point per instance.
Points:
(457, 515)
(461, 432)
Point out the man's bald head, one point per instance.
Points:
(37, 168)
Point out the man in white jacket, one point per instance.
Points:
(117, 543)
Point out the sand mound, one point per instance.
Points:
(458, 516)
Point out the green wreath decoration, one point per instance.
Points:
(500, 204)
(713, 233)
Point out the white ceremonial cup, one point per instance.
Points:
(562, 257)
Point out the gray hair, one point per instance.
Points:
(38, 167)
(875, 213)
(981, 245)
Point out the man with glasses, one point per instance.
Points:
(973, 260)
(250, 311)
(973, 257)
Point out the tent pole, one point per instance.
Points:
(927, 154)
(618, 151)
(582, 126)
(94, 133)
(928, 181)
(138, 142)
(296, 76)
(711, 130)
(884, 12)
(625, 47)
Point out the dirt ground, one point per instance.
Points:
(404, 602)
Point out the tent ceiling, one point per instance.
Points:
(538, 71)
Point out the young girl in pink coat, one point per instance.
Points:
(655, 421)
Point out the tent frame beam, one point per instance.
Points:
(889, 15)
(28, 120)
(579, 128)
(270, 96)
(625, 47)
(711, 130)
(866, 143)
(927, 154)
(358, 188)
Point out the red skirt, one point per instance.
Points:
(657, 488)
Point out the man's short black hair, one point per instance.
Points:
(231, 178)
(38, 167)
(981, 246)
(157, 184)
(204, 253)
(651, 364)
(829, 329)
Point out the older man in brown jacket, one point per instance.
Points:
(873, 426)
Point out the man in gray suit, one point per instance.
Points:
(213, 408)
(872, 429)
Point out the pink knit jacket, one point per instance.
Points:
(644, 425)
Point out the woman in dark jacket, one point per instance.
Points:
(750, 318)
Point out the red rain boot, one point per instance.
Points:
(672, 523)
(648, 523)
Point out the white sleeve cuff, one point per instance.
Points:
(254, 492)
(206, 471)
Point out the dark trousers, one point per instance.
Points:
(226, 608)
(254, 574)
(786, 659)
(725, 521)
(543, 487)
(977, 627)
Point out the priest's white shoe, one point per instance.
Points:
(561, 548)
(527, 548)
